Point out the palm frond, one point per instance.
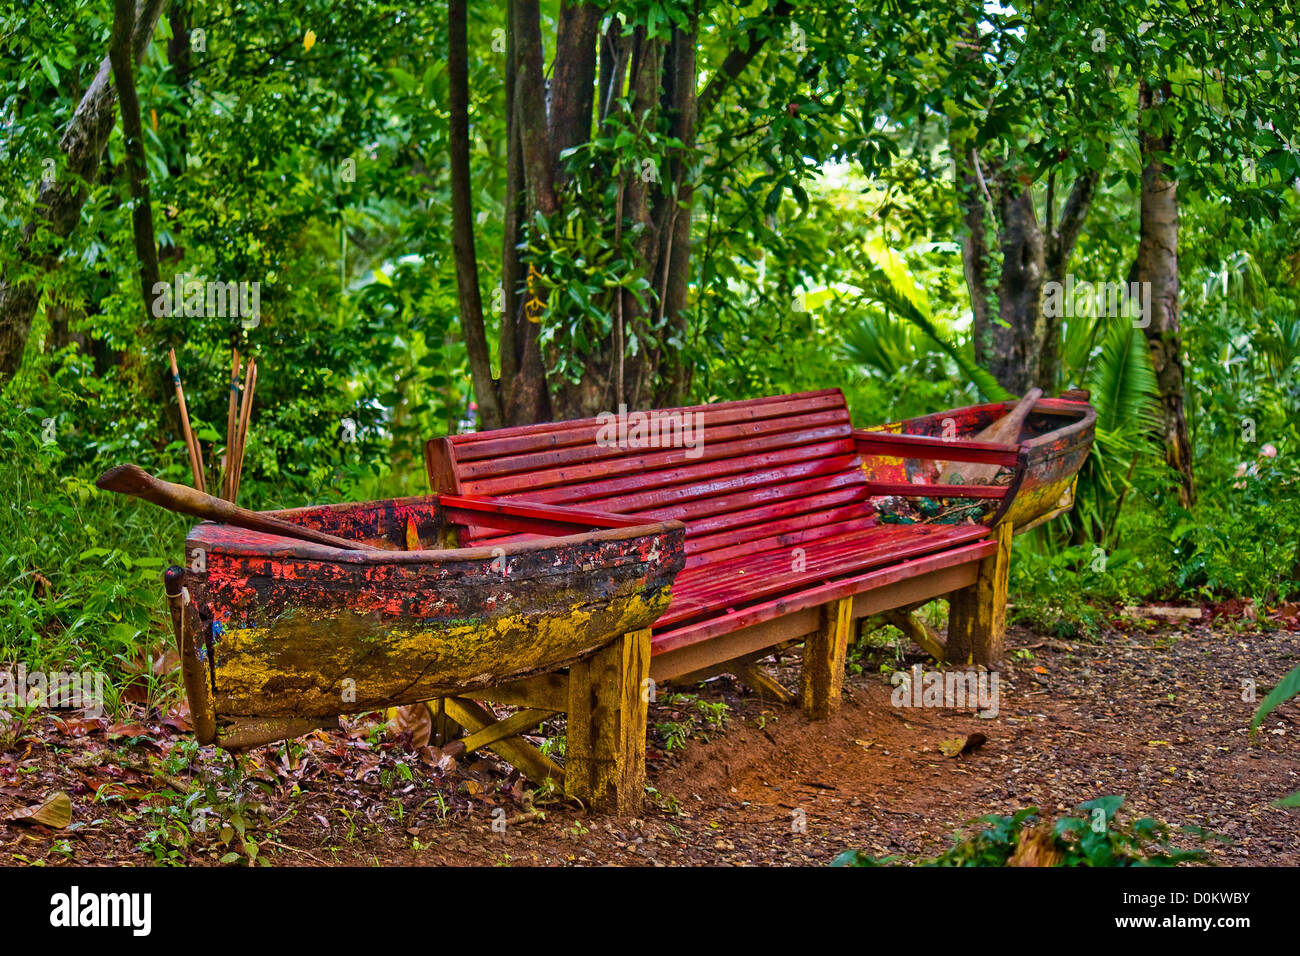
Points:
(891, 284)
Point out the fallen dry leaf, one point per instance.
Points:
(957, 746)
(413, 719)
(55, 812)
(80, 726)
(122, 729)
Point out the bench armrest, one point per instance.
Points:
(532, 518)
(935, 449)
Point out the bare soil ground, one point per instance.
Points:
(1153, 712)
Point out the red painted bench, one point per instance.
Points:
(783, 543)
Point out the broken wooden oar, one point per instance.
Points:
(1004, 431)
(135, 481)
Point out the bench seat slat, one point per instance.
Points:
(672, 639)
(785, 532)
(716, 588)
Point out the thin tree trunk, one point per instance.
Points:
(1018, 336)
(59, 202)
(527, 399)
(462, 216)
(137, 173)
(680, 106)
(1157, 264)
(573, 80)
(178, 57)
(974, 201)
(740, 57)
(1060, 242)
(514, 215)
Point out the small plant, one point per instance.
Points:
(1287, 688)
(1092, 837)
(686, 712)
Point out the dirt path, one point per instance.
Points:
(1158, 716)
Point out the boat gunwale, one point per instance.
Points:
(258, 544)
(1032, 453)
(1085, 412)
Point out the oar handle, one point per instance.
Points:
(135, 481)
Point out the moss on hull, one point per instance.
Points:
(311, 663)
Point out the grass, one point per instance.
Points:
(81, 568)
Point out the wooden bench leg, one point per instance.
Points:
(604, 755)
(977, 615)
(821, 681)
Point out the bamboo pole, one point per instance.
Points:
(231, 418)
(250, 384)
(191, 443)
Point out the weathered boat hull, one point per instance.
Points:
(1053, 444)
(289, 629)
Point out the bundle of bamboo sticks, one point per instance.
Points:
(237, 416)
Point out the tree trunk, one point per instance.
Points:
(462, 216)
(137, 174)
(1018, 337)
(527, 396)
(1157, 264)
(589, 74)
(974, 200)
(675, 267)
(58, 206)
(1060, 241)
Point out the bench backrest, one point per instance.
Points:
(741, 475)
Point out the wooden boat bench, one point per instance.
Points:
(783, 545)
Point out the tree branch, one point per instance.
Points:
(737, 60)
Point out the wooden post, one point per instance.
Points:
(604, 754)
(821, 682)
(977, 615)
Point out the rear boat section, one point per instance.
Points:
(1036, 481)
(278, 635)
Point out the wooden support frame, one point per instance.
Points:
(922, 634)
(609, 698)
(747, 669)
(606, 697)
(485, 730)
(821, 683)
(977, 614)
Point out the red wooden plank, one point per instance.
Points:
(806, 490)
(700, 546)
(832, 591)
(480, 507)
(673, 479)
(641, 464)
(817, 426)
(712, 594)
(848, 551)
(771, 512)
(715, 488)
(498, 444)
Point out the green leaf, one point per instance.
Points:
(1288, 688)
(403, 79)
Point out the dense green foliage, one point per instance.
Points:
(305, 146)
